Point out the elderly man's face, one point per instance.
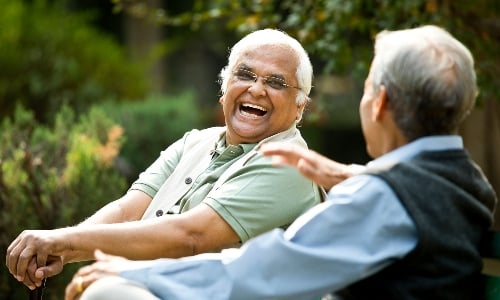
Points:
(256, 110)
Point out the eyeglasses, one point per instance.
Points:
(271, 81)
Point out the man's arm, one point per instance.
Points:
(338, 242)
(130, 207)
(198, 230)
(320, 169)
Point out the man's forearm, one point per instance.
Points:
(130, 207)
(110, 213)
(146, 239)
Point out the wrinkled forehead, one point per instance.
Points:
(277, 56)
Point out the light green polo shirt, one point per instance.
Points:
(255, 199)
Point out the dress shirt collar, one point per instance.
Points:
(429, 143)
(291, 131)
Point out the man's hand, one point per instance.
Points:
(34, 255)
(106, 265)
(34, 275)
(320, 169)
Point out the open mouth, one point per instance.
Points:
(252, 109)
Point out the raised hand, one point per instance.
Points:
(320, 169)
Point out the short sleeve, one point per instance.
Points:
(154, 176)
(260, 197)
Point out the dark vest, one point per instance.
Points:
(451, 203)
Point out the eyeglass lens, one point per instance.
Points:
(272, 81)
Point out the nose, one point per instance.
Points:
(257, 87)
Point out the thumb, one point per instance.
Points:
(39, 274)
(50, 270)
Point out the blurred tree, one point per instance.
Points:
(152, 125)
(340, 32)
(49, 57)
(54, 176)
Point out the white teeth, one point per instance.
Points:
(254, 106)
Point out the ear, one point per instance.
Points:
(300, 109)
(380, 104)
(221, 99)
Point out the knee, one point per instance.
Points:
(116, 288)
(103, 289)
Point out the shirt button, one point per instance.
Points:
(159, 213)
(188, 180)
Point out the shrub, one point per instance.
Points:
(152, 125)
(54, 177)
(51, 57)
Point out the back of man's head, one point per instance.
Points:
(429, 78)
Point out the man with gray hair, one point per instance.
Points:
(226, 190)
(407, 226)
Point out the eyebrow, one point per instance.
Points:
(247, 68)
(244, 67)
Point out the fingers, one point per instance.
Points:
(101, 256)
(320, 169)
(106, 265)
(30, 279)
(54, 266)
(292, 153)
(12, 256)
(276, 148)
(282, 153)
(75, 287)
(86, 276)
(81, 280)
(312, 171)
(25, 254)
(21, 264)
(19, 256)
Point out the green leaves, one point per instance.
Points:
(50, 57)
(340, 32)
(55, 176)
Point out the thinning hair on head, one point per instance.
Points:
(429, 78)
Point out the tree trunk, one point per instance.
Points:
(141, 36)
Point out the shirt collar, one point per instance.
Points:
(428, 143)
(221, 144)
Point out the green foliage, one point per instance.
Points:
(152, 125)
(49, 57)
(340, 32)
(54, 177)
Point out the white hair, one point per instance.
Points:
(429, 78)
(304, 73)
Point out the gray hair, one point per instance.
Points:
(429, 78)
(262, 37)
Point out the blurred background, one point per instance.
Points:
(91, 91)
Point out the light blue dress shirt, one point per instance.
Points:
(361, 228)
